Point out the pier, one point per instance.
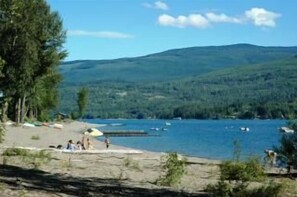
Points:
(128, 133)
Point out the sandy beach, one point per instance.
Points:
(118, 171)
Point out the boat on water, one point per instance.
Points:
(245, 129)
(286, 130)
(117, 124)
(167, 123)
(154, 129)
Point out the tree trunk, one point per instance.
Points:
(23, 108)
(4, 111)
(17, 111)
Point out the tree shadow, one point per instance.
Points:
(37, 180)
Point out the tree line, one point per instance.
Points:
(31, 49)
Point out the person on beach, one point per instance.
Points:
(71, 146)
(89, 144)
(79, 145)
(270, 157)
(107, 142)
(83, 143)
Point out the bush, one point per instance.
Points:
(174, 170)
(250, 170)
(235, 176)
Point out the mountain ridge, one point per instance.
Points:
(172, 64)
(191, 83)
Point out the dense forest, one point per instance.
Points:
(236, 81)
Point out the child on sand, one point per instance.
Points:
(79, 145)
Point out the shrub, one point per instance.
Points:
(250, 170)
(235, 176)
(174, 167)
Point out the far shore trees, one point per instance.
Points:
(31, 47)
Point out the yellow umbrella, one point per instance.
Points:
(93, 132)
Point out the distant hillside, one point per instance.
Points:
(172, 64)
(256, 80)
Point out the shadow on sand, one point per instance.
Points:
(63, 184)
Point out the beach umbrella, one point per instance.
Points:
(93, 132)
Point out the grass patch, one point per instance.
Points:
(35, 158)
(130, 163)
(35, 137)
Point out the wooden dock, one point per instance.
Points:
(128, 133)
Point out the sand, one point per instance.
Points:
(118, 171)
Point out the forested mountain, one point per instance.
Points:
(172, 64)
(201, 82)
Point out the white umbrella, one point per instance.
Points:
(93, 132)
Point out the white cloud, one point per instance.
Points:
(222, 18)
(157, 5)
(193, 20)
(256, 16)
(262, 17)
(99, 34)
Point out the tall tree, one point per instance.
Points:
(31, 46)
(82, 100)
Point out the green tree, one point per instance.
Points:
(82, 100)
(31, 45)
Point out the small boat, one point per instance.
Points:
(26, 124)
(167, 123)
(245, 129)
(154, 129)
(286, 130)
(117, 124)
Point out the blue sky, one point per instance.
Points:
(109, 29)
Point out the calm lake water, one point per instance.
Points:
(202, 138)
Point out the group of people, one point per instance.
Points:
(85, 144)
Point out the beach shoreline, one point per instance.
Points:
(135, 168)
(72, 130)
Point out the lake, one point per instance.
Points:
(213, 139)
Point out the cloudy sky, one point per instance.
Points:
(109, 29)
